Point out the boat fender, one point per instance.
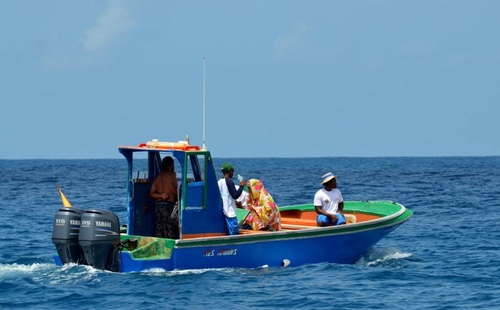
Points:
(285, 263)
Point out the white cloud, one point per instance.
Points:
(113, 23)
(290, 44)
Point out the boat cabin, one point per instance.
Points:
(199, 200)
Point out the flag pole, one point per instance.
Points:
(204, 145)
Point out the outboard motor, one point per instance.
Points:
(99, 238)
(65, 234)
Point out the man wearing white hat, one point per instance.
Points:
(329, 203)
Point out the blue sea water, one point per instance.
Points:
(445, 257)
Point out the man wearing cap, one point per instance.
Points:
(229, 194)
(329, 203)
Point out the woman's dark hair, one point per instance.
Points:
(167, 162)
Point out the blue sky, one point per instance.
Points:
(283, 78)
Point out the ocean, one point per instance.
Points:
(445, 257)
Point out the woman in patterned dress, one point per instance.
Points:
(264, 213)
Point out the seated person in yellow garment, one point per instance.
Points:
(263, 211)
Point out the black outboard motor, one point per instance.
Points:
(65, 232)
(99, 238)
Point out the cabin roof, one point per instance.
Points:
(155, 145)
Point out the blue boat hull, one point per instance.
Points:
(298, 247)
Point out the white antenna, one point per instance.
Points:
(204, 146)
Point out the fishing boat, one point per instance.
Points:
(95, 237)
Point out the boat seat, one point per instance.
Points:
(349, 219)
(251, 231)
(297, 227)
(298, 221)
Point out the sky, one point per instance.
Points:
(283, 78)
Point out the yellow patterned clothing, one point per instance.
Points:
(264, 213)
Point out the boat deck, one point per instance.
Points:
(297, 220)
